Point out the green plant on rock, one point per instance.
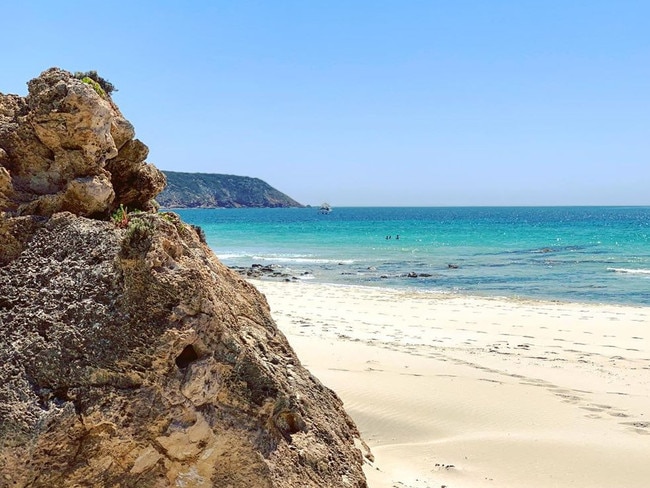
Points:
(89, 81)
(121, 217)
(139, 229)
(175, 220)
(168, 217)
(137, 240)
(101, 85)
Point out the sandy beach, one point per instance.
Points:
(475, 392)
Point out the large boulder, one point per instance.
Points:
(133, 357)
(66, 147)
(129, 355)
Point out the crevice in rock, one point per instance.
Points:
(61, 394)
(186, 357)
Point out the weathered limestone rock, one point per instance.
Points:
(6, 191)
(14, 235)
(57, 145)
(135, 182)
(130, 356)
(135, 358)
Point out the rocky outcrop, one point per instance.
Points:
(130, 356)
(210, 190)
(65, 147)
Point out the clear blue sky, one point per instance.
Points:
(370, 102)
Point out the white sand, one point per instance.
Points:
(472, 392)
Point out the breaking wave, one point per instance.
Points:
(630, 271)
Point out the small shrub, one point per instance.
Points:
(89, 81)
(96, 81)
(182, 228)
(168, 217)
(121, 217)
(138, 238)
(139, 229)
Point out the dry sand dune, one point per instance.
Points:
(476, 392)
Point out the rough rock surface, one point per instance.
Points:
(64, 147)
(131, 357)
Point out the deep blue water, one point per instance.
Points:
(583, 254)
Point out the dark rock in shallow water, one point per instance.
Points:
(259, 271)
(413, 274)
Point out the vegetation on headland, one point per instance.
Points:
(209, 190)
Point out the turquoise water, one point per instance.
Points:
(583, 254)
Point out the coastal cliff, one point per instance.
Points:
(130, 356)
(207, 190)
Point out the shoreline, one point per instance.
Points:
(479, 391)
(280, 273)
(299, 278)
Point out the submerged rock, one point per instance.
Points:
(130, 356)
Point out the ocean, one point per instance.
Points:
(570, 254)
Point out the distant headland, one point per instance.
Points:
(209, 190)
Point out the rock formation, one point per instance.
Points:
(130, 356)
(67, 148)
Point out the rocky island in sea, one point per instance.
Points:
(130, 356)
